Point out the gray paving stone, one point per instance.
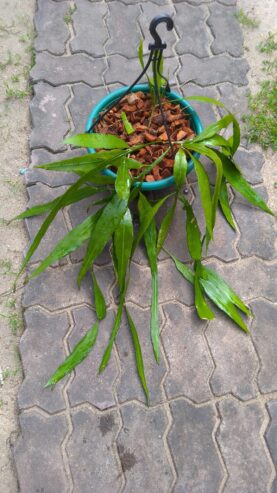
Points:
(193, 2)
(209, 71)
(227, 2)
(49, 119)
(194, 37)
(205, 112)
(40, 194)
(263, 331)
(193, 449)
(141, 450)
(90, 31)
(226, 31)
(234, 98)
(88, 385)
(85, 98)
(172, 286)
(258, 229)
(123, 44)
(40, 468)
(91, 452)
(242, 447)
(223, 245)
(250, 164)
(50, 178)
(187, 354)
(271, 437)
(151, 10)
(52, 31)
(44, 331)
(68, 69)
(250, 277)
(236, 363)
(129, 386)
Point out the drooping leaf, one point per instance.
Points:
(138, 354)
(164, 227)
(186, 272)
(214, 128)
(127, 125)
(85, 163)
(217, 141)
(224, 204)
(202, 307)
(180, 168)
(115, 329)
(205, 193)
(123, 181)
(123, 240)
(70, 242)
(192, 231)
(99, 300)
(205, 99)
(79, 353)
(97, 141)
(103, 231)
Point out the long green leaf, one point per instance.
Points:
(193, 232)
(99, 300)
(165, 225)
(180, 168)
(123, 240)
(85, 163)
(205, 99)
(115, 329)
(123, 181)
(203, 309)
(140, 53)
(103, 231)
(214, 128)
(150, 238)
(205, 193)
(138, 354)
(225, 205)
(97, 141)
(79, 353)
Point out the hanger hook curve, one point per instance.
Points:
(153, 29)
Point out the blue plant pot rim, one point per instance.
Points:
(110, 98)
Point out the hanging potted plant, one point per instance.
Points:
(140, 139)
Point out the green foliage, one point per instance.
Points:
(127, 125)
(245, 20)
(68, 15)
(268, 45)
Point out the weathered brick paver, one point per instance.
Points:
(211, 424)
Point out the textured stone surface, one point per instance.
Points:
(226, 31)
(68, 69)
(209, 71)
(191, 19)
(38, 362)
(187, 354)
(52, 31)
(234, 371)
(149, 11)
(40, 468)
(194, 452)
(42, 156)
(250, 164)
(91, 452)
(49, 118)
(84, 99)
(141, 450)
(234, 98)
(205, 112)
(90, 31)
(263, 331)
(271, 437)
(240, 443)
(124, 44)
(87, 385)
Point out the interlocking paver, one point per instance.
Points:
(92, 453)
(226, 30)
(84, 100)
(124, 44)
(250, 164)
(242, 448)
(190, 364)
(129, 386)
(38, 453)
(141, 450)
(150, 10)
(42, 156)
(235, 371)
(68, 69)
(209, 71)
(263, 331)
(49, 118)
(192, 22)
(88, 385)
(90, 31)
(52, 31)
(193, 449)
(39, 362)
(234, 98)
(271, 437)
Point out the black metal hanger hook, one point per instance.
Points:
(153, 30)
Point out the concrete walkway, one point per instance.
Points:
(212, 423)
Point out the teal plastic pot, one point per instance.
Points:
(196, 125)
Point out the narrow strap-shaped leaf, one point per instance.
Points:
(225, 205)
(235, 178)
(99, 300)
(97, 141)
(140, 53)
(123, 181)
(203, 309)
(115, 329)
(138, 354)
(192, 231)
(186, 272)
(150, 238)
(122, 247)
(205, 99)
(214, 128)
(180, 168)
(205, 193)
(79, 353)
(217, 141)
(147, 169)
(85, 163)
(127, 125)
(70, 242)
(106, 225)
(165, 225)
